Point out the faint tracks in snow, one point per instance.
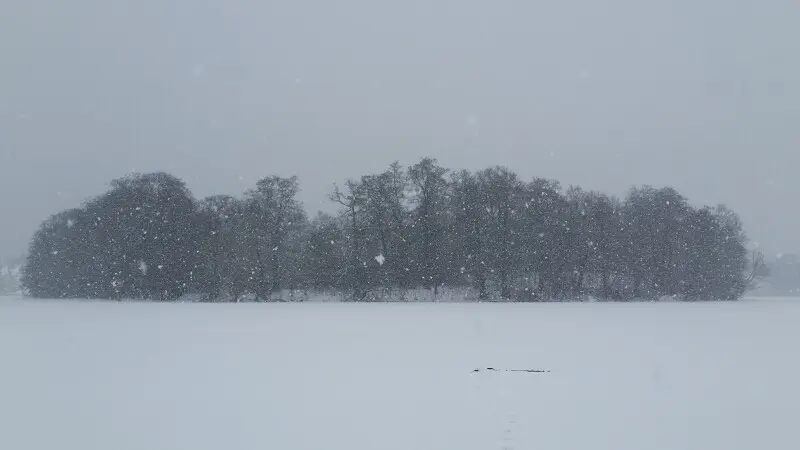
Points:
(503, 400)
(508, 433)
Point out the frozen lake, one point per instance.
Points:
(97, 375)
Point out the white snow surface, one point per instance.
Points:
(662, 376)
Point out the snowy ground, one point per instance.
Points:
(95, 375)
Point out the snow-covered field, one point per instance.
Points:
(145, 376)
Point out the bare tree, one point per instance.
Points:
(757, 270)
(353, 201)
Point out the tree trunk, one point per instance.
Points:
(606, 285)
(262, 286)
(637, 286)
(505, 291)
(481, 281)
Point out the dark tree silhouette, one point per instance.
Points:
(489, 231)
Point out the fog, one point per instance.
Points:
(699, 95)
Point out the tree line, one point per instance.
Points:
(424, 227)
(9, 270)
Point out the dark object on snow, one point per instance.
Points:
(492, 369)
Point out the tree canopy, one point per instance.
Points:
(425, 227)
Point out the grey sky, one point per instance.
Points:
(699, 95)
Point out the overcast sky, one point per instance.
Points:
(701, 95)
